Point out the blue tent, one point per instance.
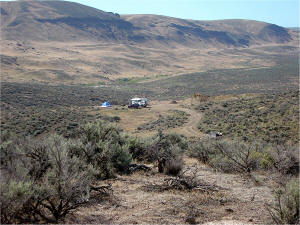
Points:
(106, 104)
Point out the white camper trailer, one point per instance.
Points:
(138, 102)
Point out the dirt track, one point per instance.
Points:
(188, 129)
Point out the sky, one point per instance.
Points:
(281, 12)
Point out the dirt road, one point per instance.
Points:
(188, 129)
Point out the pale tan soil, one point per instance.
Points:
(133, 205)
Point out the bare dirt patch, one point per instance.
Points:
(240, 202)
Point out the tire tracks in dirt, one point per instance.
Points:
(188, 129)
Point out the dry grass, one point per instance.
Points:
(91, 63)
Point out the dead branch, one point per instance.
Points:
(138, 167)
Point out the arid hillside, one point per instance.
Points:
(64, 42)
(67, 21)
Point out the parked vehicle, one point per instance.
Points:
(138, 102)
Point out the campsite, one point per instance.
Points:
(114, 117)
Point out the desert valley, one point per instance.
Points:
(218, 142)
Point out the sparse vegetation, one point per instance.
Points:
(45, 179)
(102, 149)
(230, 156)
(236, 156)
(132, 80)
(36, 121)
(229, 81)
(271, 118)
(176, 118)
(245, 157)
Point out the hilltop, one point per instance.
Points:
(68, 21)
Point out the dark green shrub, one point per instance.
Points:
(137, 147)
(104, 146)
(116, 119)
(119, 157)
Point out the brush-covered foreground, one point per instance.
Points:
(92, 177)
(97, 172)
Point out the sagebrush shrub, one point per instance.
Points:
(202, 150)
(137, 147)
(166, 146)
(48, 189)
(285, 159)
(119, 157)
(286, 209)
(104, 146)
(173, 166)
(231, 156)
(166, 149)
(15, 195)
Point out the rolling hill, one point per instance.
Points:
(68, 21)
(66, 42)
